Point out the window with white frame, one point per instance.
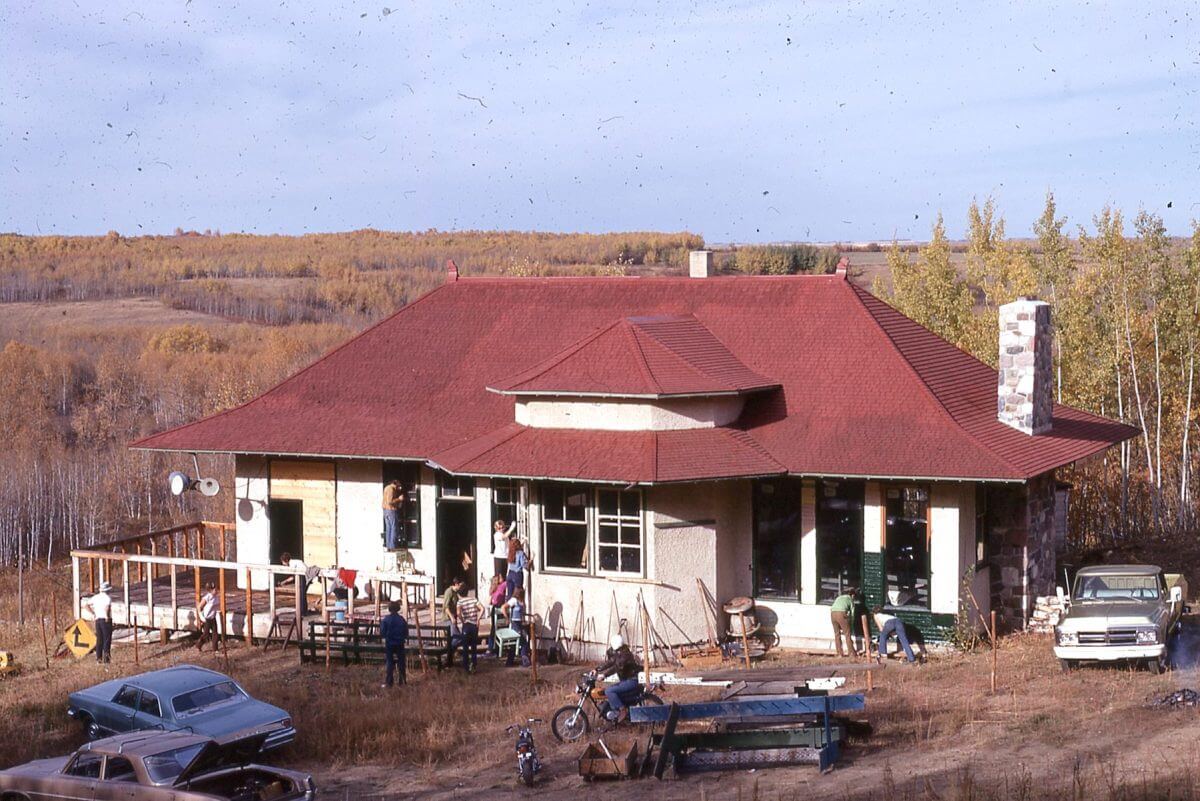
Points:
(619, 530)
(565, 541)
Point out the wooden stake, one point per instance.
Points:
(994, 650)
(866, 638)
(327, 625)
(533, 646)
(221, 589)
(45, 643)
(54, 606)
(745, 639)
(646, 640)
(416, 610)
(249, 610)
(870, 681)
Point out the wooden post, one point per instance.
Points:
(533, 646)
(221, 590)
(174, 598)
(866, 627)
(994, 644)
(76, 595)
(45, 642)
(377, 587)
(196, 588)
(137, 660)
(153, 565)
(150, 596)
(141, 566)
(200, 541)
(298, 598)
(92, 575)
(870, 681)
(326, 645)
(420, 638)
(221, 545)
(325, 600)
(745, 639)
(271, 603)
(54, 606)
(125, 590)
(646, 642)
(249, 610)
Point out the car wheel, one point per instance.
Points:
(1157, 665)
(1067, 665)
(91, 729)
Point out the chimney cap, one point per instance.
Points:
(451, 270)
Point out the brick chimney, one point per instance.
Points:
(451, 271)
(700, 263)
(1026, 389)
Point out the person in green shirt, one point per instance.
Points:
(840, 616)
(450, 610)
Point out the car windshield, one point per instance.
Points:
(196, 700)
(1116, 588)
(166, 767)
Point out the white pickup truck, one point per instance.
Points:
(1119, 613)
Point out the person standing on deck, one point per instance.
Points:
(517, 563)
(100, 605)
(839, 617)
(469, 613)
(209, 606)
(500, 536)
(450, 600)
(300, 580)
(394, 631)
(393, 503)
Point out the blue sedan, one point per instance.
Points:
(181, 698)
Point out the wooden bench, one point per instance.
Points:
(358, 642)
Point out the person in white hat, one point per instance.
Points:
(620, 660)
(100, 605)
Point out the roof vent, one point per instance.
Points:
(451, 271)
(700, 263)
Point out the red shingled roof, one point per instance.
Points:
(641, 357)
(863, 391)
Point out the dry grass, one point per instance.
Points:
(939, 733)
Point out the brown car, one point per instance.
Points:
(156, 766)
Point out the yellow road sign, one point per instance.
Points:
(80, 638)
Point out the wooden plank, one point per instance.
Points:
(667, 745)
(249, 610)
(739, 709)
(799, 674)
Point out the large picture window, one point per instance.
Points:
(565, 526)
(777, 538)
(410, 514)
(619, 530)
(907, 546)
(839, 537)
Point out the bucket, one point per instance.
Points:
(339, 611)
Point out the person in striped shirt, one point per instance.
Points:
(468, 612)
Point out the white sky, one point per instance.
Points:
(741, 122)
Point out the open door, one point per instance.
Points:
(287, 528)
(456, 531)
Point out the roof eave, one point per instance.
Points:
(634, 395)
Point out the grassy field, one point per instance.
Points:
(939, 732)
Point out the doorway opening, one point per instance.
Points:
(287, 528)
(456, 531)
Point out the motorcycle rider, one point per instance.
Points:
(620, 660)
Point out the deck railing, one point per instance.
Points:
(131, 563)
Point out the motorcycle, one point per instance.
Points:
(572, 721)
(528, 761)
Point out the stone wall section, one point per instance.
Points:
(1020, 521)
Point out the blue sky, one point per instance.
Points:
(741, 122)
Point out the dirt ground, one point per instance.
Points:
(938, 730)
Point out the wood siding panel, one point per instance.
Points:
(312, 483)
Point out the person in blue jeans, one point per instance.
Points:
(620, 660)
(516, 570)
(469, 613)
(514, 610)
(889, 625)
(394, 631)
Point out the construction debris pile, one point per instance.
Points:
(1180, 698)
(1047, 611)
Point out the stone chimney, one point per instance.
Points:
(700, 263)
(1026, 391)
(451, 271)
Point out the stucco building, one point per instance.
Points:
(779, 437)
